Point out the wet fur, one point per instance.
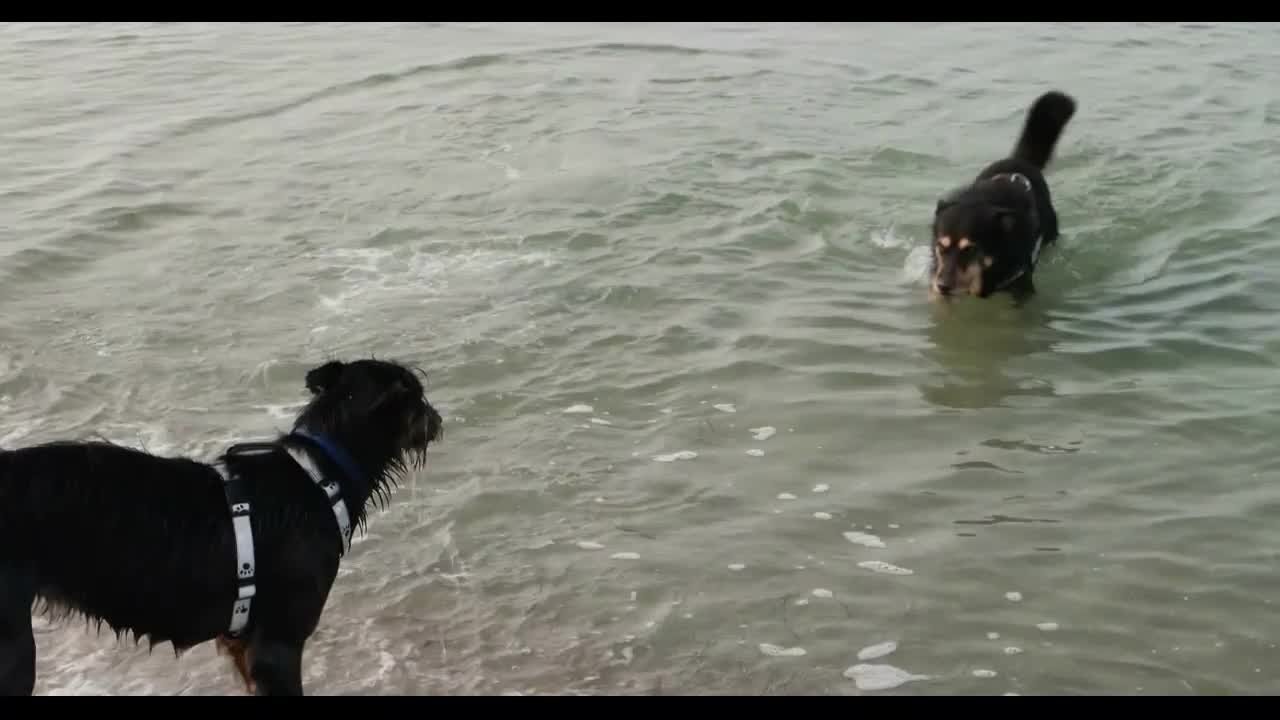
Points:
(144, 545)
(998, 217)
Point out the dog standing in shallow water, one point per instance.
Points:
(987, 236)
(146, 544)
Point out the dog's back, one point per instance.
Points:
(1046, 120)
(96, 529)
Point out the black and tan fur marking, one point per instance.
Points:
(987, 235)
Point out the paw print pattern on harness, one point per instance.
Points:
(241, 509)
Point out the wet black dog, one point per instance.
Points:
(146, 544)
(987, 236)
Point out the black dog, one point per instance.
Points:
(988, 235)
(147, 545)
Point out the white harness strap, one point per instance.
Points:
(240, 508)
(331, 489)
(245, 565)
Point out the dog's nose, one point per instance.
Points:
(942, 287)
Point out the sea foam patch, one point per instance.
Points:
(879, 650)
(672, 457)
(778, 651)
(885, 568)
(864, 539)
(880, 677)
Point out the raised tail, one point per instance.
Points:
(1048, 116)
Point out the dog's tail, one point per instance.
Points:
(1048, 116)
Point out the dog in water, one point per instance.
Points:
(988, 235)
(147, 544)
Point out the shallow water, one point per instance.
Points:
(625, 254)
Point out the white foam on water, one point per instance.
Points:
(672, 457)
(894, 526)
(887, 239)
(1011, 650)
(600, 421)
(1014, 596)
(822, 515)
(982, 673)
(821, 487)
(822, 593)
(763, 432)
(687, 616)
(590, 545)
(625, 556)
(755, 452)
(1011, 694)
(802, 602)
(779, 651)
(880, 677)
(993, 636)
(666, 411)
(650, 625)
(883, 567)
(281, 412)
(725, 407)
(864, 539)
(916, 265)
(386, 663)
(578, 410)
(786, 496)
(879, 650)
(18, 433)
(737, 567)
(1051, 627)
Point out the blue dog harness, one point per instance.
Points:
(238, 502)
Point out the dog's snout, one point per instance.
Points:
(942, 287)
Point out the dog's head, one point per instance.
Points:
(977, 248)
(372, 404)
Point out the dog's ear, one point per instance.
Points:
(324, 377)
(952, 197)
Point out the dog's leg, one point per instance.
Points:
(1022, 290)
(17, 643)
(276, 667)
